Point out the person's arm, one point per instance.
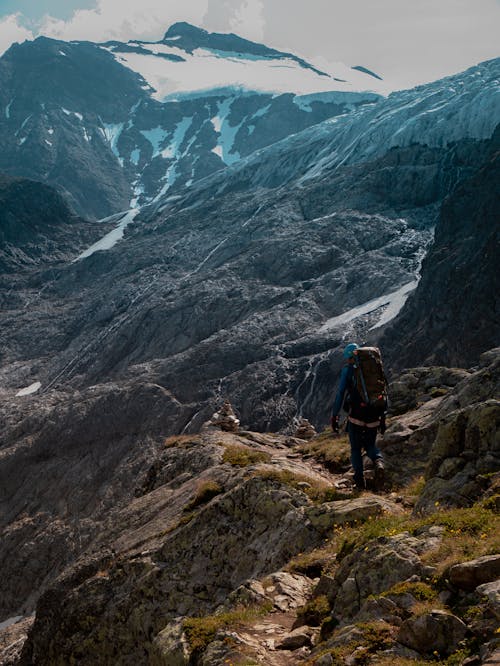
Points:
(339, 398)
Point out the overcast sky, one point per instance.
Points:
(406, 41)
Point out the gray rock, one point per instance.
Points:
(302, 636)
(170, 647)
(492, 592)
(436, 631)
(468, 575)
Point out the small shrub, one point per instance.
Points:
(421, 591)
(316, 490)
(331, 450)
(181, 441)
(206, 491)
(314, 611)
(242, 456)
(201, 631)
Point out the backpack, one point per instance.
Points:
(371, 384)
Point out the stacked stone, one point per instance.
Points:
(305, 430)
(225, 418)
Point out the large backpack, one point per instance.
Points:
(371, 384)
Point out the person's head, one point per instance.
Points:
(348, 352)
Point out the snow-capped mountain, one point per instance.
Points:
(192, 60)
(116, 125)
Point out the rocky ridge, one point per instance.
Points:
(200, 526)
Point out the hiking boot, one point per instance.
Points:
(379, 472)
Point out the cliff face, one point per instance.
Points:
(455, 312)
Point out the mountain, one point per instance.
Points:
(246, 285)
(455, 312)
(113, 125)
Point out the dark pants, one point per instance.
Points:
(362, 438)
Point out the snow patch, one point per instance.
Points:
(62, 53)
(134, 156)
(227, 132)
(10, 621)
(29, 390)
(50, 131)
(156, 137)
(206, 69)
(112, 133)
(393, 303)
(49, 143)
(7, 109)
(110, 240)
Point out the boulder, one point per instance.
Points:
(468, 575)
(436, 631)
(348, 511)
(492, 592)
(170, 646)
(296, 639)
(377, 566)
(465, 453)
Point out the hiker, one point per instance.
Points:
(365, 414)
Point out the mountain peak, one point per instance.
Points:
(184, 29)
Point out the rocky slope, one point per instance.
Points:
(217, 522)
(36, 224)
(87, 119)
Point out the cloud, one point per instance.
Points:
(124, 19)
(12, 31)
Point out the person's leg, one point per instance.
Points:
(370, 438)
(373, 452)
(355, 437)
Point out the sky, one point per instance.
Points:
(407, 42)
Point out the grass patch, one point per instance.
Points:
(333, 451)
(314, 611)
(421, 591)
(316, 490)
(468, 533)
(181, 441)
(205, 492)
(201, 631)
(242, 456)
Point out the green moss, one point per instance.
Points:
(242, 456)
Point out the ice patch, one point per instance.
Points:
(393, 303)
(227, 133)
(206, 69)
(109, 240)
(29, 390)
(156, 137)
(134, 156)
(112, 133)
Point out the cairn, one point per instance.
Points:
(305, 430)
(225, 418)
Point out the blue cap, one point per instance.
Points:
(349, 350)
